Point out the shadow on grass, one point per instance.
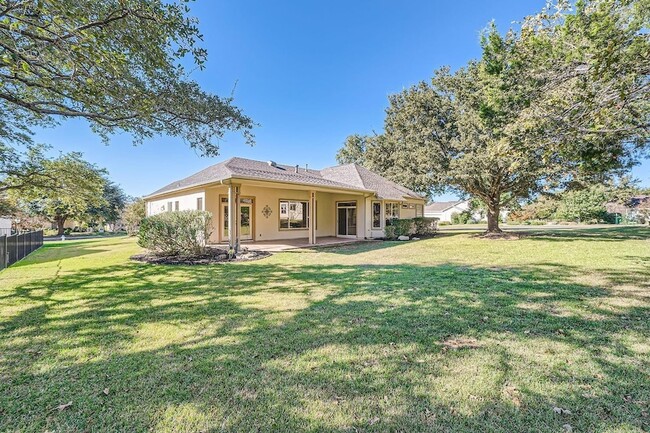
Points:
(52, 252)
(613, 234)
(265, 347)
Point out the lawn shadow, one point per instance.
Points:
(613, 234)
(266, 347)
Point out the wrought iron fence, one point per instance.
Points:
(17, 247)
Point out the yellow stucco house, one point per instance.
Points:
(278, 202)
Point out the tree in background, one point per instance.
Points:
(76, 186)
(486, 129)
(115, 63)
(133, 214)
(586, 205)
(111, 207)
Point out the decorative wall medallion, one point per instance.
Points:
(267, 211)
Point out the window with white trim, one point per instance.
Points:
(294, 214)
(199, 203)
(391, 212)
(376, 215)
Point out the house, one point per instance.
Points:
(5, 226)
(443, 210)
(636, 209)
(275, 201)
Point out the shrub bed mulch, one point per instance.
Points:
(211, 256)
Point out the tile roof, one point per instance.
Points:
(349, 176)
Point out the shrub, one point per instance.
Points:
(176, 233)
(425, 226)
(461, 218)
(390, 232)
(410, 227)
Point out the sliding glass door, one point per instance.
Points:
(346, 216)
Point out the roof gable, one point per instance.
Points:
(442, 206)
(349, 176)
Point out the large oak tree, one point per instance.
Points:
(120, 64)
(559, 103)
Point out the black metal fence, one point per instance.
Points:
(17, 247)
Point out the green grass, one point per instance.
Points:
(454, 333)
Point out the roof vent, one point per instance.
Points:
(272, 163)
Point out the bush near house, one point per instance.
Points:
(419, 226)
(176, 233)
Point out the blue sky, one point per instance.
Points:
(309, 72)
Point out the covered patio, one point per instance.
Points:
(293, 244)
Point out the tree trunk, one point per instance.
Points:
(493, 218)
(60, 223)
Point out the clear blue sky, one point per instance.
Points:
(309, 72)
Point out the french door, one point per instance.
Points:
(246, 217)
(346, 219)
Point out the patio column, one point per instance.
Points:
(237, 217)
(312, 217)
(234, 220)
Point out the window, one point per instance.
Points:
(419, 210)
(177, 206)
(391, 212)
(199, 203)
(293, 214)
(376, 215)
(169, 206)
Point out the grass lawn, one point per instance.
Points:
(454, 333)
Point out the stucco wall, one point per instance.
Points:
(186, 200)
(268, 227)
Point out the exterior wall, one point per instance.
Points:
(268, 227)
(5, 226)
(405, 213)
(186, 201)
(447, 213)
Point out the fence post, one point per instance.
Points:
(4, 253)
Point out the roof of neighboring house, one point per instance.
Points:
(632, 203)
(349, 176)
(441, 206)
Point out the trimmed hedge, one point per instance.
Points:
(176, 233)
(419, 226)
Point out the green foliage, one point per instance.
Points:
(133, 214)
(69, 188)
(176, 233)
(495, 128)
(587, 205)
(116, 63)
(542, 208)
(464, 217)
(425, 226)
(110, 209)
(390, 232)
(419, 226)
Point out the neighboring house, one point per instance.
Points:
(445, 209)
(635, 209)
(5, 226)
(277, 201)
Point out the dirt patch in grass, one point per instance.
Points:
(211, 256)
(503, 236)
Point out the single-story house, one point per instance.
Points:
(635, 209)
(275, 201)
(443, 210)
